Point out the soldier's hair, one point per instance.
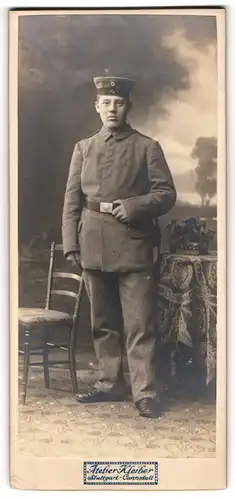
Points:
(126, 98)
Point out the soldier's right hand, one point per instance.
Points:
(74, 259)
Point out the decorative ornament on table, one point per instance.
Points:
(189, 236)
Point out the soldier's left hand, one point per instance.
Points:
(120, 212)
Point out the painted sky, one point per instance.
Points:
(172, 59)
(192, 114)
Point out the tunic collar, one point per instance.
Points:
(118, 134)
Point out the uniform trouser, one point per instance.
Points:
(126, 299)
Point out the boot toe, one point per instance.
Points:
(97, 396)
(149, 408)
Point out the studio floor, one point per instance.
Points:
(53, 424)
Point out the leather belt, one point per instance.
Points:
(104, 207)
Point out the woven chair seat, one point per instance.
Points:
(32, 315)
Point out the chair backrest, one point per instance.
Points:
(53, 289)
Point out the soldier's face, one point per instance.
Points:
(112, 110)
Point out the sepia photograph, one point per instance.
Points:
(117, 192)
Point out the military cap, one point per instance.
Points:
(113, 85)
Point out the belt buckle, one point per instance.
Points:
(106, 207)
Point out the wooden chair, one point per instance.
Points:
(47, 320)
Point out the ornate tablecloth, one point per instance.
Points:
(186, 305)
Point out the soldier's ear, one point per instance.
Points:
(97, 106)
(129, 107)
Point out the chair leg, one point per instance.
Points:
(72, 360)
(45, 366)
(26, 366)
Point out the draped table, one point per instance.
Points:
(187, 306)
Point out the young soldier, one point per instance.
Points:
(119, 184)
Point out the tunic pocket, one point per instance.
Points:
(136, 234)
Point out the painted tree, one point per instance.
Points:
(205, 151)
